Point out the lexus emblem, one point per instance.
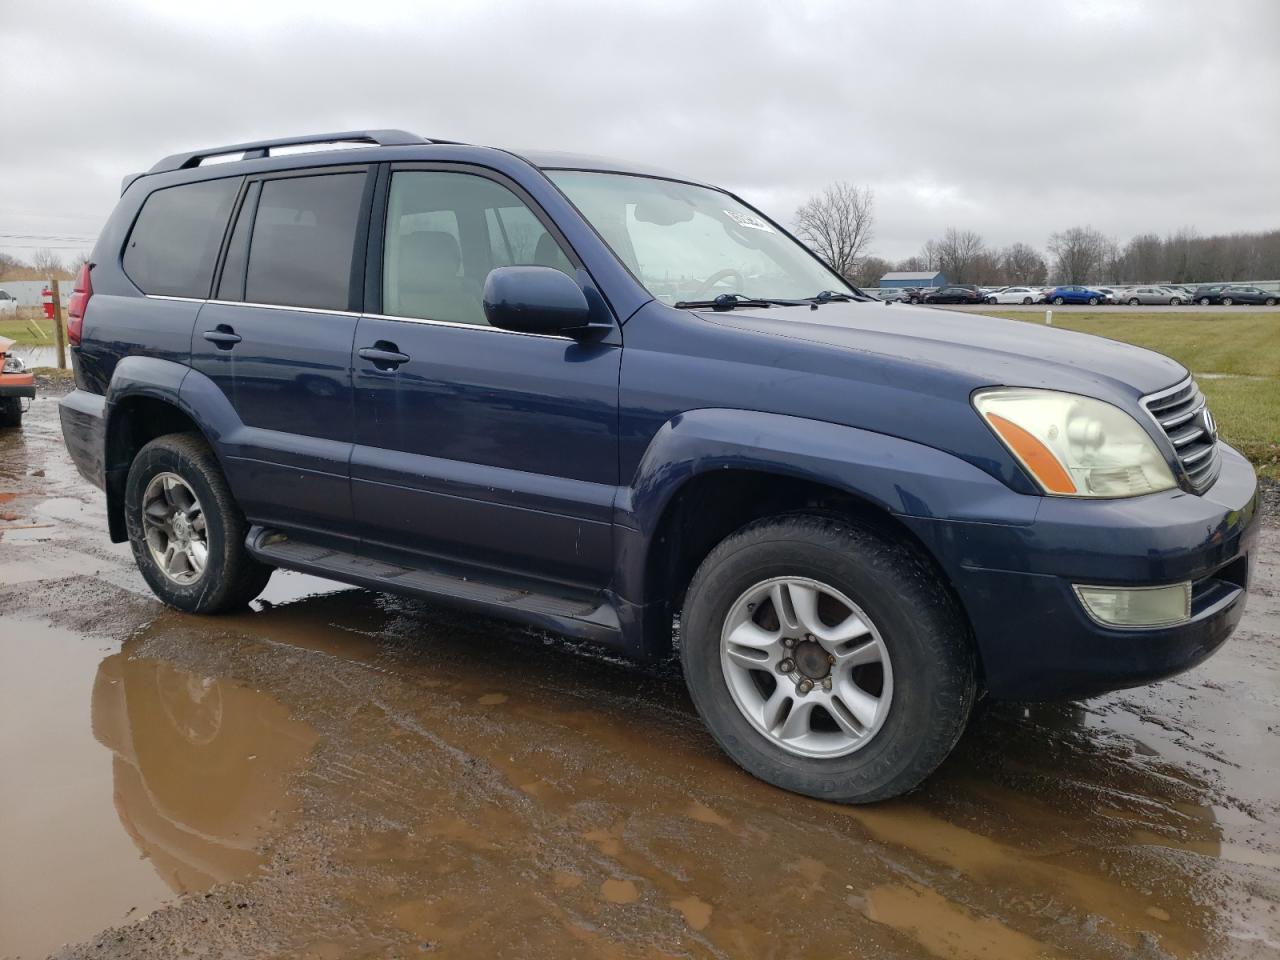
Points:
(1210, 427)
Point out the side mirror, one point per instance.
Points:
(536, 300)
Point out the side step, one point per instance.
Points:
(586, 617)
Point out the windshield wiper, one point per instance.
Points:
(832, 296)
(729, 301)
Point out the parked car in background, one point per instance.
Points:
(1154, 295)
(1240, 293)
(1074, 294)
(8, 303)
(16, 385)
(889, 294)
(917, 294)
(1014, 295)
(1209, 293)
(1109, 294)
(954, 295)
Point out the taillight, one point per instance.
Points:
(76, 305)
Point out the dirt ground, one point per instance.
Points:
(341, 774)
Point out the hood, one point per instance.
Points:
(988, 350)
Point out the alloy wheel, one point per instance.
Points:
(174, 526)
(806, 667)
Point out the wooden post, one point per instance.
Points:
(59, 333)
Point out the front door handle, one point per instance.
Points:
(383, 355)
(222, 336)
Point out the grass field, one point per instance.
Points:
(19, 328)
(1234, 356)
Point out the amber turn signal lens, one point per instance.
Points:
(1035, 456)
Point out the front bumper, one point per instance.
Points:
(1036, 641)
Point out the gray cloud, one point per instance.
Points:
(1013, 118)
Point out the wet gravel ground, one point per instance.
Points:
(341, 774)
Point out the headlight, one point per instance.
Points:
(1075, 446)
(13, 364)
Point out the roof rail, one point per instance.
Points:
(261, 148)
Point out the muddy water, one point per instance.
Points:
(337, 774)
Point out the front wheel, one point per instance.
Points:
(186, 531)
(1271, 301)
(1026, 301)
(1093, 301)
(1058, 301)
(827, 659)
(1134, 301)
(10, 412)
(1175, 302)
(1205, 301)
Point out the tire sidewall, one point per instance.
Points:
(873, 771)
(155, 458)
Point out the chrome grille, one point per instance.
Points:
(1184, 417)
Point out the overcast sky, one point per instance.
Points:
(1014, 118)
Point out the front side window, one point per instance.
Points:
(445, 232)
(303, 240)
(686, 243)
(173, 245)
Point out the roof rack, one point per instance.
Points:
(261, 148)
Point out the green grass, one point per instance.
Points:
(1243, 347)
(20, 330)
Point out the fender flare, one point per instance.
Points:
(899, 476)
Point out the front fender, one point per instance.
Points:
(899, 476)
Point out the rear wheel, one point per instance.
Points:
(10, 412)
(1227, 301)
(1205, 301)
(186, 531)
(1134, 301)
(826, 659)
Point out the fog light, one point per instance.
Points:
(1137, 606)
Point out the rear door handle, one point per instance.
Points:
(383, 355)
(222, 336)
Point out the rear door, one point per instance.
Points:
(481, 446)
(276, 340)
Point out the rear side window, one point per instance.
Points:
(303, 240)
(174, 243)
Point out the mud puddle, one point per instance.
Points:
(340, 774)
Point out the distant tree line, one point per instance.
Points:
(838, 226)
(44, 264)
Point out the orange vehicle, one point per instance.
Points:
(15, 384)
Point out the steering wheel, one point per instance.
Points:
(711, 281)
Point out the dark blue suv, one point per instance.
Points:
(632, 409)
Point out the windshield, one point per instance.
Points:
(688, 243)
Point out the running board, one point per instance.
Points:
(585, 617)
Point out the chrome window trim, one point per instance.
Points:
(370, 316)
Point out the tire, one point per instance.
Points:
(175, 469)
(914, 624)
(10, 412)
(1175, 302)
(1270, 301)
(1134, 302)
(1026, 301)
(1093, 301)
(1227, 301)
(992, 301)
(1058, 301)
(1205, 301)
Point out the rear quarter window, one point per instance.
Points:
(174, 243)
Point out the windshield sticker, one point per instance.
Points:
(746, 220)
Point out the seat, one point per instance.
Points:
(548, 254)
(429, 285)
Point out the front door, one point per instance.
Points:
(474, 444)
(276, 341)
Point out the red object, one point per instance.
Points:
(76, 306)
(48, 303)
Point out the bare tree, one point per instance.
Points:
(1078, 254)
(1022, 264)
(870, 270)
(47, 263)
(837, 225)
(958, 254)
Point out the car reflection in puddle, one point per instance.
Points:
(200, 766)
